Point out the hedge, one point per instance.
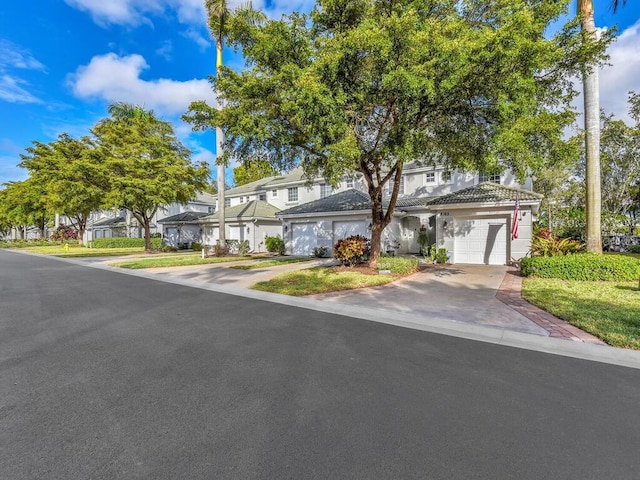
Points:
(26, 243)
(583, 266)
(125, 242)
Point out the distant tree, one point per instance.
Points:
(251, 171)
(144, 164)
(620, 158)
(74, 180)
(23, 205)
(367, 86)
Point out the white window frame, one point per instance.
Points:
(227, 202)
(274, 193)
(430, 178)
(349, 182)
(292, 194)
(389, 188)
(263, 197)
(483, 177)
(325, 190)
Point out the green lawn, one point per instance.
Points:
(321, 280)
(270, 263)
(608, 310)
(176, 261)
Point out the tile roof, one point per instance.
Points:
(109, 221)
(295, 175)
(486, 192)
(182, 217)
(252, 209)
(349, 200)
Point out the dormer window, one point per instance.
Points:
(483, 177)
(325, 190)
(430, 177)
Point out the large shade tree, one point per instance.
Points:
(73, 179)
(220, 18)
(591, 90)
(145, 165)
(23, 205)
(369, 85)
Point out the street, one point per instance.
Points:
(109, 376)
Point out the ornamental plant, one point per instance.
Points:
(352, 250)
(545, 244)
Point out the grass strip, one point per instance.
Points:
(174, 261)
(320, 280)
(270, 263)
(608, 310)
(80, 251)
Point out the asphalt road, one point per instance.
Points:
(110, 376)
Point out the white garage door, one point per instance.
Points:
(305, 238)
(481, 241)
(347, 229)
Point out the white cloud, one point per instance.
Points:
(117, 79)
(623, 75)
(165, 50)
(11, 91)
(194, 34)
(119, 12)
(14, 56)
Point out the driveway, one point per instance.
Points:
(459, 293)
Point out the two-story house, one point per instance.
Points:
(472, 216)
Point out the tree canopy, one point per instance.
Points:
(145, 164)
(251, 171)
(73, 180)
(370, 85)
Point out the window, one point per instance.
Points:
(292, 194)
(247, 199)
(263, 197)
(349, 183)
(241, 199)
(274, 193)
(389, 188)
(211, 210)
(325, 190)
(227, 202)
(483, 177)
(430, 177)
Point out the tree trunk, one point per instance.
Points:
(147, 234)
(592, 138)
(219, 138)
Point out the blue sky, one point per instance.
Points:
(63, 61)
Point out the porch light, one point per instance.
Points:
(445, 226)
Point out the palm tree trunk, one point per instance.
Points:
(592, 137)
(219, 138)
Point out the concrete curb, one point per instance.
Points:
(508, 338)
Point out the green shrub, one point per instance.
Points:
(352, 250)
(219, 250)
(274, 245)
(197, 247)
(400, 265)
(25, 243)
(169, 248)
(633, 249)
(243, 248)
(319, 252)
(583, 266)
(441, 255)
(125, 242)
(429, 252)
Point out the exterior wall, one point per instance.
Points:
(254, 232)
(175, 234)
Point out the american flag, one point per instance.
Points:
(516, 213)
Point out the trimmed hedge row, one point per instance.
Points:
(582, 266)
(125, 242)
(26, 243)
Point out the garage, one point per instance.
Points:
(347, 229)
(481, 241)
(305, 238)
